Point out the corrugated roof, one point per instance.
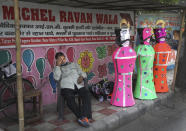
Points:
(114, 4)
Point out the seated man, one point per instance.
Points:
(70, 77)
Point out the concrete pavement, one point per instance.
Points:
(106, 116)
(127, 115)
(170, 116)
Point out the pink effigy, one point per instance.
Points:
(124, 61)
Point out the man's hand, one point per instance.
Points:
(80, 79)
(59, 61)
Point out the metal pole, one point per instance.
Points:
(18, 68)
(178, 50)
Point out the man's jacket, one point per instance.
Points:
(68, 74)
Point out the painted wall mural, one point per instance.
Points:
(37, 64)
(5, 56)
(111, 49)
(102, 70)
(51, 56)
(28, 58)
(70, 54)
(52, 82)
(88, 41)
(40, 64)
(111, 67)
(86, 61)
(101, 52)
(90, 75)
(32, 80)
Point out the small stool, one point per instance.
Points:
(34, 94)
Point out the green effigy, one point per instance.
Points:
(145, 84)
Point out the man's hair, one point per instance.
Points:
(58, 54)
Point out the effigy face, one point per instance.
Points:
(147, 35)
(125, 34)
(159, 34)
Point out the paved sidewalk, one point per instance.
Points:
(163, 117)
(106, 116)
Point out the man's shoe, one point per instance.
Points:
(91, 120)
(84, 122)
(86, 119)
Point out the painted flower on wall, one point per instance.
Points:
(86, 61)
(102, 70)
(101, 51)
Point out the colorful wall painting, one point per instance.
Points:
(52, 82)
(101, 52)
(32, 80)
(86, 61)
(28, 58)
(102, 70)
(41, 60)
(111, 49)
(111, 68)
(70, 54)
(88, 40)
(5, 57)
(51, 56)
(40, 64)
(90, 75)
